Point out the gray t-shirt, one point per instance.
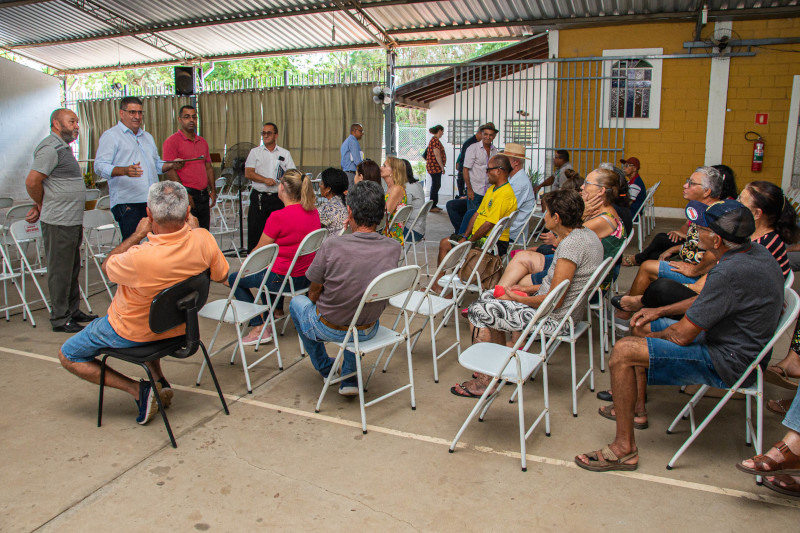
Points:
(416, 197)
(64, 190)
(345, 266)
(582, 247)
(559, 177)
(738, 309)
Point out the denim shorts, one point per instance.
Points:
(671, 364)
(665, 271)
(90, 342)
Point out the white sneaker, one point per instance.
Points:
(348, 390)
(252, 338)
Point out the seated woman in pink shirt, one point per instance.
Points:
(287, 228)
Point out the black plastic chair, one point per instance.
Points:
(172, 307)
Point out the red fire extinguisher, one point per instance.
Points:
(758, 151)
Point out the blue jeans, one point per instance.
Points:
(314, 334)
(417, 235)
(93, 339)
(273, 284)
(128, 217)
(475, 203)
(538, 278)
(672, 364)
(792, 418)
(665, 271)
(456, 210)
(465, 221)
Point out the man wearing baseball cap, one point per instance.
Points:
(636, 186)
(722, 331)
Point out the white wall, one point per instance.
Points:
(27, 97)
(494, 102)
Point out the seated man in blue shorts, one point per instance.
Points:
(721, 333)
(176, 249)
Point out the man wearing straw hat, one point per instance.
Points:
(521, 184)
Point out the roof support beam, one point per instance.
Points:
(353, 9)
(15, 3)
(127, 27)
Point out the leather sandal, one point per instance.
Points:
(779, 407)
(778, 376)
(605, 412)
(767, 466)
(606, 460)
(790, 487)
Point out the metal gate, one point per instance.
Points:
(578, 105)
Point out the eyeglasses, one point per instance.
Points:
(629, 165)
(592, 183)
(492, 168)
(187, 117)
(134, 112)
(689, 182)
(267, 133)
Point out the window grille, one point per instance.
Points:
(522, 131)
(458, 131)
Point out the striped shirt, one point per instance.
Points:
(774, 245)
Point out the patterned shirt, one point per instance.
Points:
(691, 252)
(774, 245)
(431, 165)
(333, 215)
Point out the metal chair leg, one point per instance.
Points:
(160, 405)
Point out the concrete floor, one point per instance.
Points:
(275, 464)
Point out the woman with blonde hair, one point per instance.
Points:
(287, 228)
(393, 172)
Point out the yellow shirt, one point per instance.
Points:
(499, 202)
(148, 268)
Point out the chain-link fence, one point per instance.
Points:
(411, 142)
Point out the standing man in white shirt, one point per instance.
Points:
(476, 161)
(351, 152)
(128, 158)
(521, 184)
(265, 166)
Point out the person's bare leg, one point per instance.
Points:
(155, 369)
(792, 440)
(521, 267)
(646, 275)
(790, 364)
(631, 303)
(90, 371)
(628, 353)
(478, 384)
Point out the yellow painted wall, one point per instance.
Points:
(671, 152)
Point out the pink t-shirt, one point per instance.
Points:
(288, 227)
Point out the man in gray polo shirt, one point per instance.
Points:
(340, 273)
(55, 184)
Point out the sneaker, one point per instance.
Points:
(348, 389)
(252, 338)
(148, 407)
(166, 392)
(622, 324)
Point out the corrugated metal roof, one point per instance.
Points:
(112, 33)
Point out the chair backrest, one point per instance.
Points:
(179, 304)
(524, 230)
(789, 281)
(591, 285)
(95, 218)
(309, 245)
(401, 215)
(451, 261)
(104, 202)
(6, 202)
(93, 194)
(258, 261)
(23, 231)
(488, 246)
(422, 213)
(346, 230)
(18, 212)
(390, 283)
(219, 183)
(542, 312)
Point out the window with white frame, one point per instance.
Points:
(522, 131)
(632, 88)
(458, 131)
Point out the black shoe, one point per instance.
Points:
(606, 396)
(80, 316)
(69, 327)
(616, 301)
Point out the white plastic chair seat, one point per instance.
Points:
(485, 357)
(384, 337)
(437, 303)
(458, 283)
(106, 227)
(244, 311)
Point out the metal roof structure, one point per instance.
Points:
(74, 36)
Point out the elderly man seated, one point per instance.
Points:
(721, 333)
(498, 202)
(176, 249)
(340, 273)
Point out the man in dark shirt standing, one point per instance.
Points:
(196, 176)
(722, 332)
(55, 184)
(340, 273)
(462, 189)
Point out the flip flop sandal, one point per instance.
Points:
(605, 412)
(606, 460)
(616, 301)
(628, 261)
(779, 407)
(465, 394)
(767, 466)
(778, 376)
(792, 487)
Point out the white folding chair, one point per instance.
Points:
(104, 202)
(430, 305)
(791, 307)
(23, 234)
(411, 240)
(401, 217)
(397, 281)
(524, 236)
(97, 222)
(222, 231)
(789, 281)
(605, 310)
(14, 214)
(651, 209)
(347, 230)
(570, 331)
(473, 282)
(639, 218)
(233, 311)
(9, 274)
(514, 365)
